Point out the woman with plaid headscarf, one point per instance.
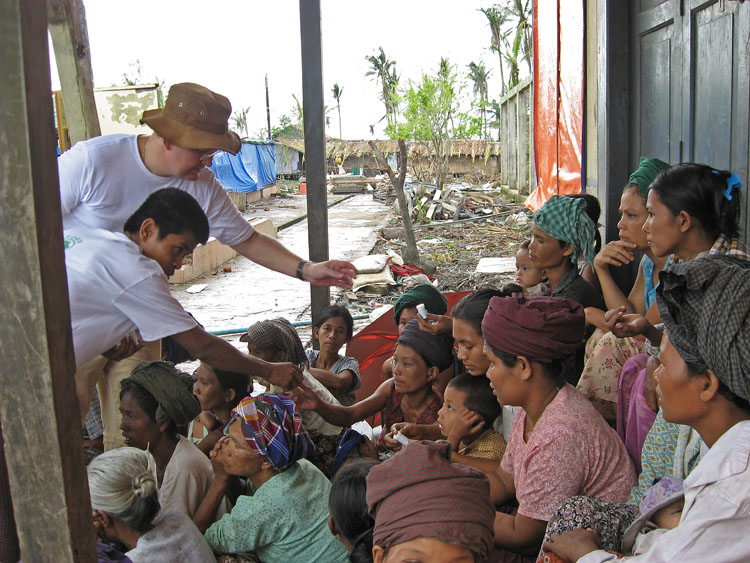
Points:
(284, 514)
(703, 382)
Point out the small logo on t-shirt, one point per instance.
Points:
(71, 241)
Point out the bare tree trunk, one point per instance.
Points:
(411, 254)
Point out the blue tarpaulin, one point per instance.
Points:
(253, 168)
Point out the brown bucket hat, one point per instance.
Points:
(194, 117)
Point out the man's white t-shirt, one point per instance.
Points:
(115, 289)
(103, 181)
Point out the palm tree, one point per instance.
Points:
(385, 71)
(479, 74)
(519, 11)
(337, 91)
(497, 17)
(239, 120)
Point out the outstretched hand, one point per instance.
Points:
(304, 398)
(436, 324)
(285, 375)
(338, 273)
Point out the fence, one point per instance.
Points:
(517, 169)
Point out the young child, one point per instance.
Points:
(465, 419)
(661, 510)
(532, 279)
(339, 374)
(350, 520)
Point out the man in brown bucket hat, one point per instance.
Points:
(105, 179)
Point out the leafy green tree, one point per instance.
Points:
(432, 118)
(519, 14)
(337, 91)
(384, 70)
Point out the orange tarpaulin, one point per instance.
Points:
(559, 44)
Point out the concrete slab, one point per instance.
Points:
(251, 293)
(496, 265)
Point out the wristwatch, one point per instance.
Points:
(298, 272)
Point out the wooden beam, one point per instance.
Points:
(67, 26)
(38, 405)
(315, 145)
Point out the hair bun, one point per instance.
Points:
(144, 484)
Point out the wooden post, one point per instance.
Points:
(67, 26)
(38, 406)
(315, 145)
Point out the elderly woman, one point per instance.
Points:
(125, 507)
(284, 514)
(154, 400)
(428, 509)
(702, 382)
(559, 445)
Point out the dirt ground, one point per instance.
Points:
(457, 248)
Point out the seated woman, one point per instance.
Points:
(428, 509)
(284, 514)
(562, 231)
(277, 338)
(154, 400)
(405, 310)
(350, 520)
(339, 374)
(407, 397)
(466, 321)
(125, 508)
(218, 392)
(693, 209)
(606, 353)
(559, 445)
(702, 382)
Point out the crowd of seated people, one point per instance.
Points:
(561, 418)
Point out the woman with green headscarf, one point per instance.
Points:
(155, 400)
(606, 353)
(562, 232)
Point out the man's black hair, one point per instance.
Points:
(174, 212)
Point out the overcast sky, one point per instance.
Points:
(230, 45)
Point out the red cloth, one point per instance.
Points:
(541, 329)
(408, 270)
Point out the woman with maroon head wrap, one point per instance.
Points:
(429, 509)
(559, 445)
